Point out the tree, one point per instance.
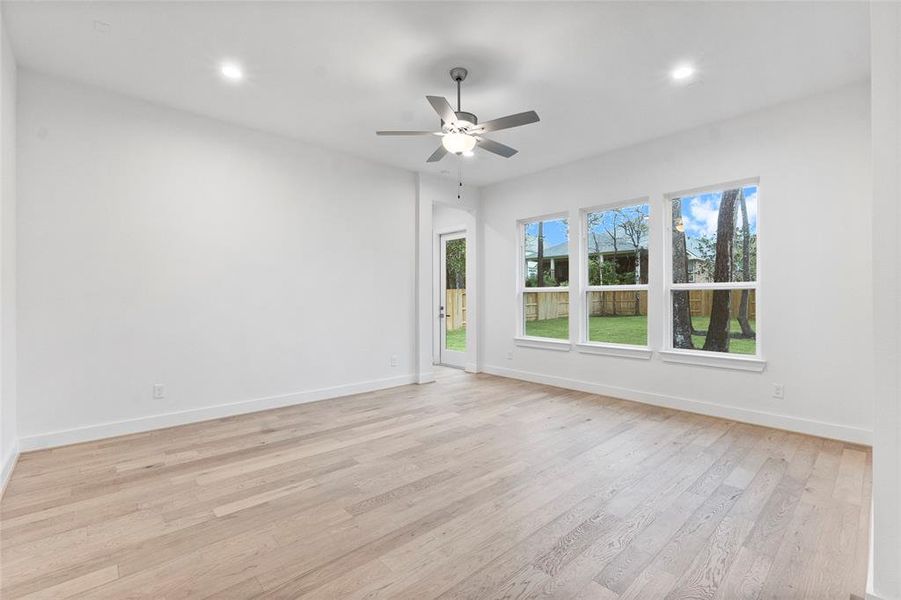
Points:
(744, 303)
(635, 228)
(681, 304)
(717, 339)
(455, 257)
(611, 229)
(705, 246)
(595, 263)
(541, 275)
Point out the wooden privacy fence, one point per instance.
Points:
(701, 301)
(553, 305)
(605, 304)
(455, 309)
(545, 305)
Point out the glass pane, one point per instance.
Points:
(618, 246)
(618, 317)
(546, 253)
(715, 236)
(546, 314)
(455, 294)
(715, 321)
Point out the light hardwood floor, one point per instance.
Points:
(472, 487)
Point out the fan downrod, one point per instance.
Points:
(458, 74)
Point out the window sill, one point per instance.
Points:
(620, 350)
(710, 359)
(544, 343)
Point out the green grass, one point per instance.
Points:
(549, 328)
(618, 330)
(456, 340)
(735, 346)
(631, 330)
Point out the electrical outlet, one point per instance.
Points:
(159, 391)
(394, 360)
(510, 355)
(778, 390)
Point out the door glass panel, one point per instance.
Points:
(455, 294)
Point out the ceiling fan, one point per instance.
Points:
(461, 131)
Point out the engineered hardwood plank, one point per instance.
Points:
(471, 487)
(651, 583)
(745, 577)
(77, 585)
(595, 591)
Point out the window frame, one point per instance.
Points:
(585, 345)
(669, 353)
(520, 338)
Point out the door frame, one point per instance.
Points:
(458, 232)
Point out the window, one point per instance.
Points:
(713, 283)
(544, 280)
(616, 302)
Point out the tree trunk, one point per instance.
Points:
(612, 233)
(681, 304)
(718, 332)
(744, 304)
(637, 309)
(540, 271)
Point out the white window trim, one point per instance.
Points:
(714, 359)
(520, 338)
(584, 345)
(742, 362)
(528, 341)
(620, 350)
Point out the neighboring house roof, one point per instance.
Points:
(693, 245)
(605, 246)
(604, 243)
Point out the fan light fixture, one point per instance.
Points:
(682, 72)
(461, 131)
(458, 142)
(231, 71)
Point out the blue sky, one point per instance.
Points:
(554, 231)
(606, 222)
(699, 212)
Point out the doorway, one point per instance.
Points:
(452, 299)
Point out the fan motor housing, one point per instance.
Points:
(467, 117)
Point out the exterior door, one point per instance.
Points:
(452, 299)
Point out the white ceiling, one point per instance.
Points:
(332, 73)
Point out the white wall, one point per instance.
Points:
(813, 160)
(885, 558)
(229, 265)
(8, 435)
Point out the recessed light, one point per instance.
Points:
(682, 72)
(231, 71)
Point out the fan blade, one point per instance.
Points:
(443, 108)
(523, 118)
(497, 148)
(405, 133)
(438, 154)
